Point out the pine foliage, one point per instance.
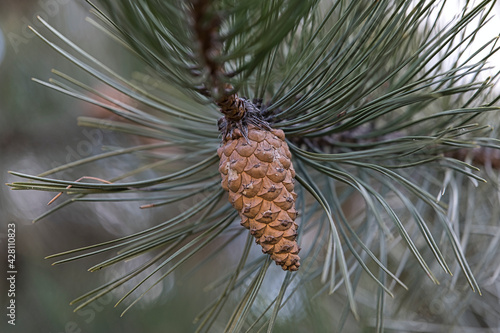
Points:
(385, 116)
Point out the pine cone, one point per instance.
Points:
(259, 176)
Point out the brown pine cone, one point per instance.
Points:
(259, 176)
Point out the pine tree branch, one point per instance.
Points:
(383, 111)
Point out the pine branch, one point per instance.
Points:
(384, 114)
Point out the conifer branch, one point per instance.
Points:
(385, 117)
(206, 26)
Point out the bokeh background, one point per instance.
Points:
(38, 131)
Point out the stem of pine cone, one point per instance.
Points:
(206, 28)
(232, 107)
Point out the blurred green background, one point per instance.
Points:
(38, 131)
